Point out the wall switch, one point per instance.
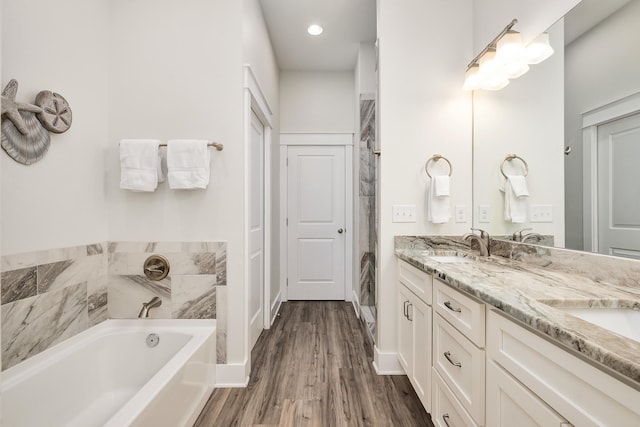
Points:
(483, 213)
(404, 213)
(541, 213)
(461, 213)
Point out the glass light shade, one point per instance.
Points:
(489, 63)
(494, 82)
(509, 46)
(515, 68)
(472, 78)
(315, 29)
(539, 49)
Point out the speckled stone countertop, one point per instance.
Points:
(529, 292)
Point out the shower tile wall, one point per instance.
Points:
(49, 296)
(194, 289)
(367, 196)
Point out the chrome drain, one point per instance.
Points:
(153, 340)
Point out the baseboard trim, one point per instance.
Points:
(232, 375)
(386, 363)
(275, 307)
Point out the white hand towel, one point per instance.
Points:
(441, 185)
(515, 208)
(188, 164)
(139, 164)
(438, 208)
(519, 185)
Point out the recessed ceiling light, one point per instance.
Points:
(315, 29)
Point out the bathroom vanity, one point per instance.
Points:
(491, 341)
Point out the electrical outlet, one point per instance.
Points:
(483, 213)
(541, 213)
(404, 213)
(461, 213)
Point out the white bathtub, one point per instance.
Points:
(108, 376)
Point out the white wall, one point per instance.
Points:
(258, 53)
(176, 72)
(525, 118)
(365, 69)
(423, 111)
(534, 17)
(59, 201)
(317, 101)
(599, 69)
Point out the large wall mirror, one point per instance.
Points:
(575, 121)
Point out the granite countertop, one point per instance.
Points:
(529, 294)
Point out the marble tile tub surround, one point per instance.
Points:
(49, 296)
(529, 285)
(194, 289)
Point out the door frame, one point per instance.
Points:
(318, 139)
(590, 121)
(256, 102)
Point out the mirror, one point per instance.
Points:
(539, 115)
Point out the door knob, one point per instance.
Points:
(340, 230)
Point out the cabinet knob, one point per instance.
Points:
(340, 230)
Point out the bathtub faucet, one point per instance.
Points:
(146, 306)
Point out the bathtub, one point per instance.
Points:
(109, 376)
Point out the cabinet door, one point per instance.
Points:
(420, 317)
(405, 338)
(510, 403)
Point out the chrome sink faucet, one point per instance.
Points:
(517, 236)
(482, 239)
(146, 306)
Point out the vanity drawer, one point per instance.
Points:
(419, 282)
(461, 365)
(463, 312)
(447, 410)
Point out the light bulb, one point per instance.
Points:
(315, 29)
(539, 49)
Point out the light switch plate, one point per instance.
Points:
(404, 213)
(483, 214)
(461, 213)
(541, 213)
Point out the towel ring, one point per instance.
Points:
(511, 157)
(435, 158)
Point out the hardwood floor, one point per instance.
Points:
(314, 368)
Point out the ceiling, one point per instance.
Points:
(346, 23)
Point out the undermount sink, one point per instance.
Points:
(450, 258)
(622, 321)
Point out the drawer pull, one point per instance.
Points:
(447, 354)
(406, 314)
(410, 306)
(445, 418)
(450, 307)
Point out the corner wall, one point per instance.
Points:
(423, 111)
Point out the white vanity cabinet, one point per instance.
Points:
(414, 298)
(458, 354)
(553, 379)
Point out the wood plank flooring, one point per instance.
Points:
(314, 368)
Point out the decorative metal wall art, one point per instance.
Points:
(26, 127)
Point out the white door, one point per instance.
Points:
(256, 230)
(316, 218)
(618, 189)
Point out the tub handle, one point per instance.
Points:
(156, 267)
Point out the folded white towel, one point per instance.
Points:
(441, 184)
(515, 207)
(162, 164)
(139, 164)
(188, 164)
(438, 207)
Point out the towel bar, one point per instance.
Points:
(510, 157)
(217, 145)
(435, 158)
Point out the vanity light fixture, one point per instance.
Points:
(315, 29)
(504, 58)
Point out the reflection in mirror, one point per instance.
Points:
(551, 109)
